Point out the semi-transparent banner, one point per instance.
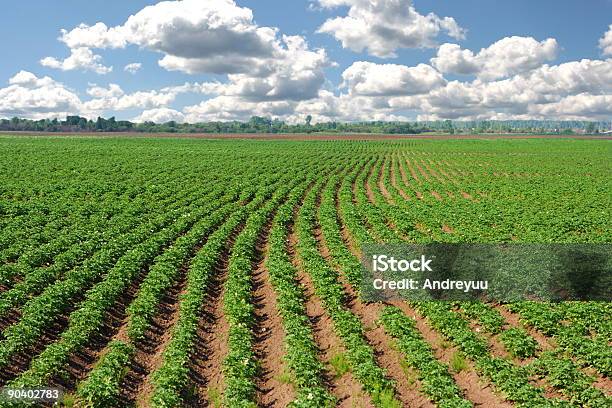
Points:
(497, 272)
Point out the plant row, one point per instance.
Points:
(348, 326)
(437, 382)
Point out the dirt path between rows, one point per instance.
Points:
(345, 388)
(206, 364)
(272, 391)
(381, 183)
(394, 181)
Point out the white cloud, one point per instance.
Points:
(605, 42)
(29, 96)
(548, 90)
(329, 107)
(114, 98)
(583, 106)
(217, 36)
(80, 58)
(28, 79)
(369, 79)
(226, 108)
(96, 36)
(195, 36)
(266, 73)
(160, 115)
(382, 27)
(506, 57)
(113, 90)
(133, 67)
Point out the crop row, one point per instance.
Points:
(572, 339)
(89, 317)
(171, 379)
(511, 380)
(348, 327)
(437, 383)
(41, 311)
(300, 347)
(38, 279)
(515, 339)
(240, 364)
(101, 388)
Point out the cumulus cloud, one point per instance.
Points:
(114, 98)
(329, 107)
(605, 42)
(80, 58)
(133, 67)
(96, 36)
(96, 91)
(583, 106)
(381, 27)
(370, 79)
(29, 96)
(226, 108)
(217, 36)
(547, 91)
(160, 115)
(506, 57)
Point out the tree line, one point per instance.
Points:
(259, 124)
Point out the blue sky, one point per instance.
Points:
(350, 82)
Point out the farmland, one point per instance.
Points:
(176, 272)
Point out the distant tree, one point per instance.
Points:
(590, 128)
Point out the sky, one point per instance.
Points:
(333, 60)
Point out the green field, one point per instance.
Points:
(196, 272)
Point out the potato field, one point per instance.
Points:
(169, 272)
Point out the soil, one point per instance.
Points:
(269, 335)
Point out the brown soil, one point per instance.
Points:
(381, 184)
(20, 360)
(206, 364)
(455, 174)
(9, 318)
(269, 335)
(447, 175)
(544, 343)
(433, 172)
(354, 187)
(367, 186)
(418, 194)
(436, 195)
(448, 229)
(386, 357)
(344, 231)
(137, 387)
(420, 169)
(412, 172)
(547, 343)
(115, 328)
